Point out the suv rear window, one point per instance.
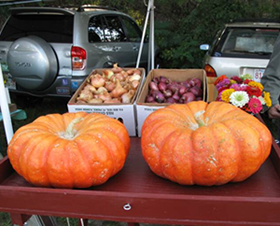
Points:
(95, 30)
(51, 28)
(247, 42)
(113, 29)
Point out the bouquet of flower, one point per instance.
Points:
(243, 92)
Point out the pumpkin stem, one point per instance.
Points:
(197, 117)
(70, 133)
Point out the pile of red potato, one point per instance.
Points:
(164, 90)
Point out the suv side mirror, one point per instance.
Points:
(204, 47)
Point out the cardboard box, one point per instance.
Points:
(125, 113)
(144, 109)
(211, 89)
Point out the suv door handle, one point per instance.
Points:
(135, 48)
(116, 48)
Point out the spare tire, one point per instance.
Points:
(32, 63)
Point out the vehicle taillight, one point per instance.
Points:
(210, 72)
(78, 58)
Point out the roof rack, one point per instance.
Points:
(261, 20)
(83, 7)
(38, 9)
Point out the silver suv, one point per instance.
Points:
(241, 48)
(49, 51)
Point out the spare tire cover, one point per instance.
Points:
(32, 63)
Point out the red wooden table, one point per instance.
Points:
(137, 195)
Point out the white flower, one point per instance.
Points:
(261, 100)
(239, 98)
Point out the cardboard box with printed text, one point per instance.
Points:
(125, 113)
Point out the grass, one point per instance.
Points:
(5, 220)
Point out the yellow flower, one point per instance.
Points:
(225, 95)
(232, 81)
(256, 84)
(267, 98)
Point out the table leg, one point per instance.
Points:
(133, 224)
(19, 219)
(83, 222)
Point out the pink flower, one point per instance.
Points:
(224, 83)
(238, 87)
(255, 105)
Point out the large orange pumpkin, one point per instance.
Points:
(73, 150)
(204, 144)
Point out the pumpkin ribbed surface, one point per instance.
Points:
(50, 153)
(204, 144)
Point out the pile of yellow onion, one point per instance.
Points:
(114, 85)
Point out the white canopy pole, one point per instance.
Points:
(152, 36)
(5, 109)
(150, 10)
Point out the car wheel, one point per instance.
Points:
(32, 63)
